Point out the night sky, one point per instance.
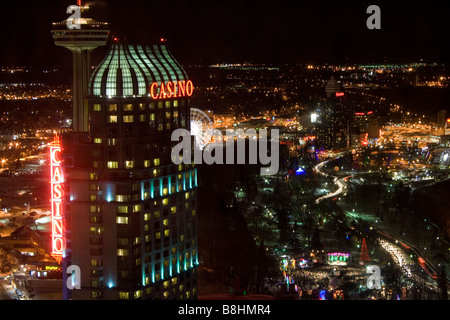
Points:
(293, 31)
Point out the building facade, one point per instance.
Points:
(131, 213)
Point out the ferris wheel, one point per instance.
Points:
(201, 127)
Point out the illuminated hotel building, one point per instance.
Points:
(130, 212)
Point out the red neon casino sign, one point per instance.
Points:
(57, 194)
(171, 89)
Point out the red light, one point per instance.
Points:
(171, 89)
(57, 194)
(339, 94)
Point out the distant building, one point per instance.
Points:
(440, 123)
(333, 118)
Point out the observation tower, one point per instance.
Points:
(81, 35)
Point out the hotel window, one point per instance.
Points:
(93, 176)
(175, 103)
(141, 106)
(122, 252)
(165, 191)
(94, 209)
(175, 114)
(137, 294)
(147, 216)
(168, 115)
(112, 119)
(97, 140)
(112, 164)
(122, 220)
(129, 164)
(124, 295)
(142, 117)
(136, 240)
(121, 198)
(136, 208)
(167, 126)
(155, 172)
(173, 210)
(96, 263)
(174, 250)
(165, 201)
(166, 294)
(128, 107)
(181, 239)
(193, 213)
(160, 127)
(166, 233)
(93, 187)
(160, 105)
(186, 195)
(157, 214)
(167, 104)
(113, 107)
(122, 209)
(95, 294)
(152, 117)
(158, 235)
(128, 118)
(147, 163)
(122, 241)
(96, 230)
(166, 222)
(111, 142)
(152, 105)
(97, 107)
(166, 284)
(156, 162)
(92, 197)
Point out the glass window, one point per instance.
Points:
(97, 107)
(112, 119)
(128, 107)
(122, 209)
(97, 140)
(113, 164)
(113, 107)
(122, 252)
(129, 164)
(128, 118)
(122, 220)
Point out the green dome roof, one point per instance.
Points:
(129, 70)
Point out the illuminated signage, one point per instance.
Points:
(339, 94)
(57, 194)
(171, 89)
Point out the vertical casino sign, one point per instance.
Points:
(57, 194)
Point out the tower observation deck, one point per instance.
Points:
(85, 37)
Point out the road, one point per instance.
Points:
(398, 253)
(7, 291)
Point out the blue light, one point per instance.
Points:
(110, 284)
(299, 171)
(322, 295)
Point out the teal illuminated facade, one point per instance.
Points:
(131, 216)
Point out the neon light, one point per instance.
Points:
(171, 89)
(339, 94)
(57, 194)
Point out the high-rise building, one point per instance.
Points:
(130, 212)
(333, 118)
(88, 35)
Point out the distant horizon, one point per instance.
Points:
(209, 32)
